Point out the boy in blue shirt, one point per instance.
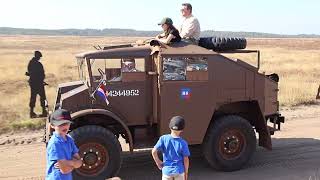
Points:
(175, 152)
(62, 153)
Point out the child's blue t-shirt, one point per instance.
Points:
(59, 149)
(174, 149)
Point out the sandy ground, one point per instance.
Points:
(295, 155)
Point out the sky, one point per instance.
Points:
(269, 16)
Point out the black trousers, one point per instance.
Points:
(37, 89)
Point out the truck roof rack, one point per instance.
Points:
(243, 51)
(117, 46)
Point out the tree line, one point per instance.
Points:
(132, 32)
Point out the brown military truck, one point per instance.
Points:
(132, 91)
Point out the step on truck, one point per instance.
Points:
(132, 91)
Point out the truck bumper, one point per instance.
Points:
(276, 120)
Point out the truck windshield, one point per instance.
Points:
(83, 70)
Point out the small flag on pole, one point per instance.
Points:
(103, 93)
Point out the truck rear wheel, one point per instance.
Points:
(230, 143)
(100, 152)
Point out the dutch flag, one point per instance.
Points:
(103, 93)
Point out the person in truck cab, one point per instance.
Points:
(129, 65)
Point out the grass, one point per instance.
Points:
(30, 124)
(59, 63)
(297, 61)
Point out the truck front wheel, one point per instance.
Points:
(100, 152)
(230, 143)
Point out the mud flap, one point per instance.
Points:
(262, 128)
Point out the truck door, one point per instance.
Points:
(184, 91)
(128, 88)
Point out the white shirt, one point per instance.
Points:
(190, 28)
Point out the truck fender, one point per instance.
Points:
(106, 113)
(256, 118)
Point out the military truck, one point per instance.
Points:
(132, 91)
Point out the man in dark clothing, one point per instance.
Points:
(36, 82)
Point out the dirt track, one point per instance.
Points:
(296, 156)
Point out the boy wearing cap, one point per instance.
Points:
(175, 152)
(62, 153)
(170, 33)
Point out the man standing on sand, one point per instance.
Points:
(190, 27)
(36, 83)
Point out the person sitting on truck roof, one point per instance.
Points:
(170, 34)
(190, 27)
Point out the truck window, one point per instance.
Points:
(133, 69)
(95, 65)
(83, 71)
(185, 69)
(116, 70)
(113, 70)
(174, 69)
(132, 65)
(111, 67)
(197, 69)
